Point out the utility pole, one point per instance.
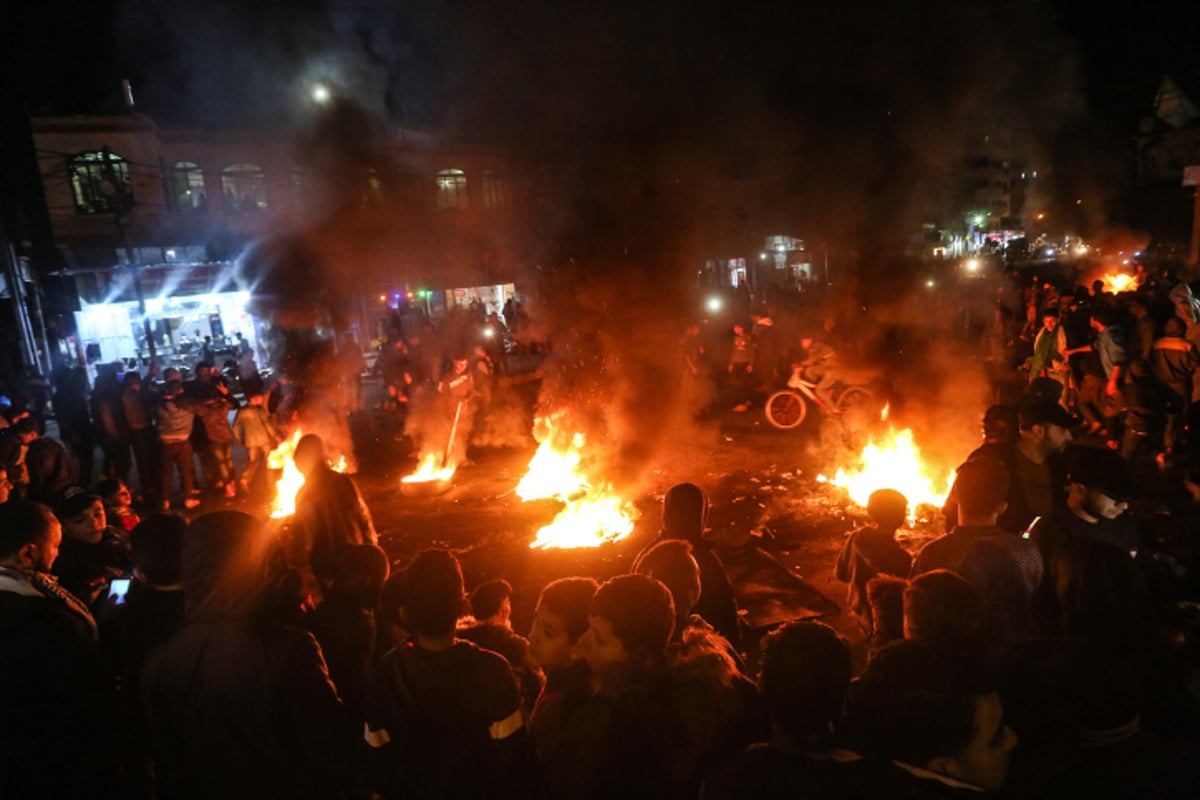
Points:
(121, 201)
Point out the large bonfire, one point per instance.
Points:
(593, 513)
(893, 461)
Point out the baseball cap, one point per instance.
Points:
(73, 500)
(1103, 469)
(1046, 412)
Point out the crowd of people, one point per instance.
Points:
(1043, 645)
(228, 659)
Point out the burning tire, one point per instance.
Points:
(786, 409)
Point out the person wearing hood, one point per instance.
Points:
(684, 516)
(239, 705)
(57, 694)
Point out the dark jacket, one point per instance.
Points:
(330, 512)
(718, 602)
(58, 699)
(445, 724)
(239, 705)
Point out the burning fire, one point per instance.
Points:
(894, 463)
(289, 483)
(429, 470)
(1118, 282)
(593, 512)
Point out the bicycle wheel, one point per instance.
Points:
(855, 400)
(786, 409)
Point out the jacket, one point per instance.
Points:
(239, 705)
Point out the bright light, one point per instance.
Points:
(714, 304)
(1081, 249)
(972, 265)
(762, 256)
(320, 93)
(489, 332)
(929, 284)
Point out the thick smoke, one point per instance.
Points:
(664, 136)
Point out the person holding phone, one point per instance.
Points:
(93, 553)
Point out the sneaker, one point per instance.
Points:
(191, 502)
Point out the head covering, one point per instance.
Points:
(684, 512)
(1000, 422)
(72, 500)
(224, 565)
(1102, 469)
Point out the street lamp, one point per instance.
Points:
(320, 93)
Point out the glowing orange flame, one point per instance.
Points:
(289, 483)
(1118, 282)
(894, 463)
(428, 470)
(593, 512)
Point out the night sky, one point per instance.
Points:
(845, 108)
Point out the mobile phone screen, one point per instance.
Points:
(117, 589)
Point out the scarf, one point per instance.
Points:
(48, 585)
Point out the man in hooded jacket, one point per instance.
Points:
(238, 704)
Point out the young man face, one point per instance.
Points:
(1054, 438)
(550, 645)
(47, 548)
(983, 761)
(601, 647)
(88, 525)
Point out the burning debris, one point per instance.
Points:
(894, 462)
(593, 512)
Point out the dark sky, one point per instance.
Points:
(605, 90)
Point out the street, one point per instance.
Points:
(765, 501)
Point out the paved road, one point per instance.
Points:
(778, 528)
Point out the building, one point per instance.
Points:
(168, 236)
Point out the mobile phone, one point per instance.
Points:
(117, 589)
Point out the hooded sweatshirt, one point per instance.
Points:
(240, 705)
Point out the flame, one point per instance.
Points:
(1117, 282)
(894, 463)
(428, 470)
(593, 513)
(289, 483)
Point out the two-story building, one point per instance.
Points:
(170, 236)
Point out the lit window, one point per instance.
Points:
(187, 188)
(451, 189)
(493, 189)
(244, 188)
(100, 182)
